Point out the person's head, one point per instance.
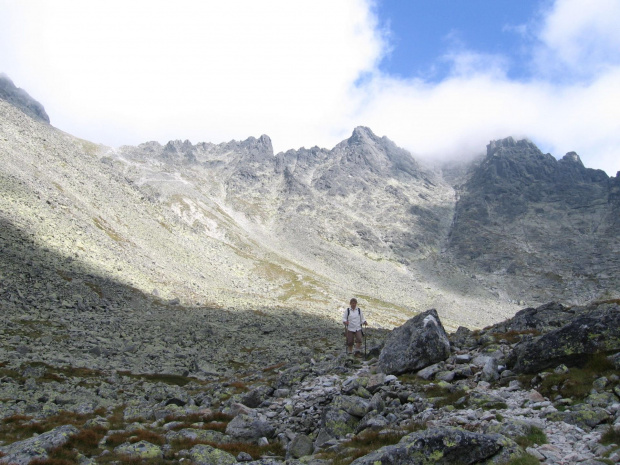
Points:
(353, 303)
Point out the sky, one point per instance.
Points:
(440, 78)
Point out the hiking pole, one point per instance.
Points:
(364, 334)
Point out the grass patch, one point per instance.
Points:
(95, 288)
(274, 367)
(101, 224)
(610, 436)
(577, 383)
(367, 442)
(444, 396)
(512, 337)
(175, 380)
(19, 427)
(234, 448)
(527, 459)
(535, 436)
(216, 421)
(116, 439)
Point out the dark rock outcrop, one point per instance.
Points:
(420, 342)
(21, 99)
(594, 330)
(541, 224)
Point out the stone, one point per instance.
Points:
(598, 331)
(420, 342)
(142, 450)
(490, 370)
(256, 396)
(585, 417)
(37, 447)
(430, 371)
(300, 447)
(246, 428)
(445, 445)
(353, 405)
(337, 423)
(203, 454)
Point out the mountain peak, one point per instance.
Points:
(573, 158)
(496, 147)
(21, 99)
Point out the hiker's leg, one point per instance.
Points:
(358, 341)
(350, 342)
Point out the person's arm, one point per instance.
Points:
(345, 321)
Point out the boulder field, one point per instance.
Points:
(541, 387)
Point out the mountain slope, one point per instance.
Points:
(235, 226)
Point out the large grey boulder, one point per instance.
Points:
(23, 452)
(420, 342)
(445, 445)
(248, 428)
(599, 331)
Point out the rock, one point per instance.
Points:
(512, 428)
(420, 342)
(353, 405)
(300, 447)
(244, 457)
(143, 450)
(247, 428)
(490, 370)
(256, 396)
(195, 434)
(37, 447)
(585, 335)
(441, 446)
(584, 416)
(463, 337)
(485, 400)
(336, 423)
(447, 376)
(203, 454)
(430, 371)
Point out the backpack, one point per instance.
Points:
(359, 312)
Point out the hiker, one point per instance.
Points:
(353, 320)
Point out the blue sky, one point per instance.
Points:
(422, 32)
(440, 78)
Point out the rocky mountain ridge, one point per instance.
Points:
(178, 303)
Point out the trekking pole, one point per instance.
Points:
(365, 353)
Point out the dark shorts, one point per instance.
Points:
(357, 335)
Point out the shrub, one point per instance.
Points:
(535, 436)
(610, 436)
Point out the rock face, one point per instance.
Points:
(420, 342)
(21, 99)
(529, 221)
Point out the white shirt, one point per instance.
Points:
(356, 318)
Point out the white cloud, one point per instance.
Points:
(126, 72)
(580, 38)
(198, 70)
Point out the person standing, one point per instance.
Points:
(353, 320)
